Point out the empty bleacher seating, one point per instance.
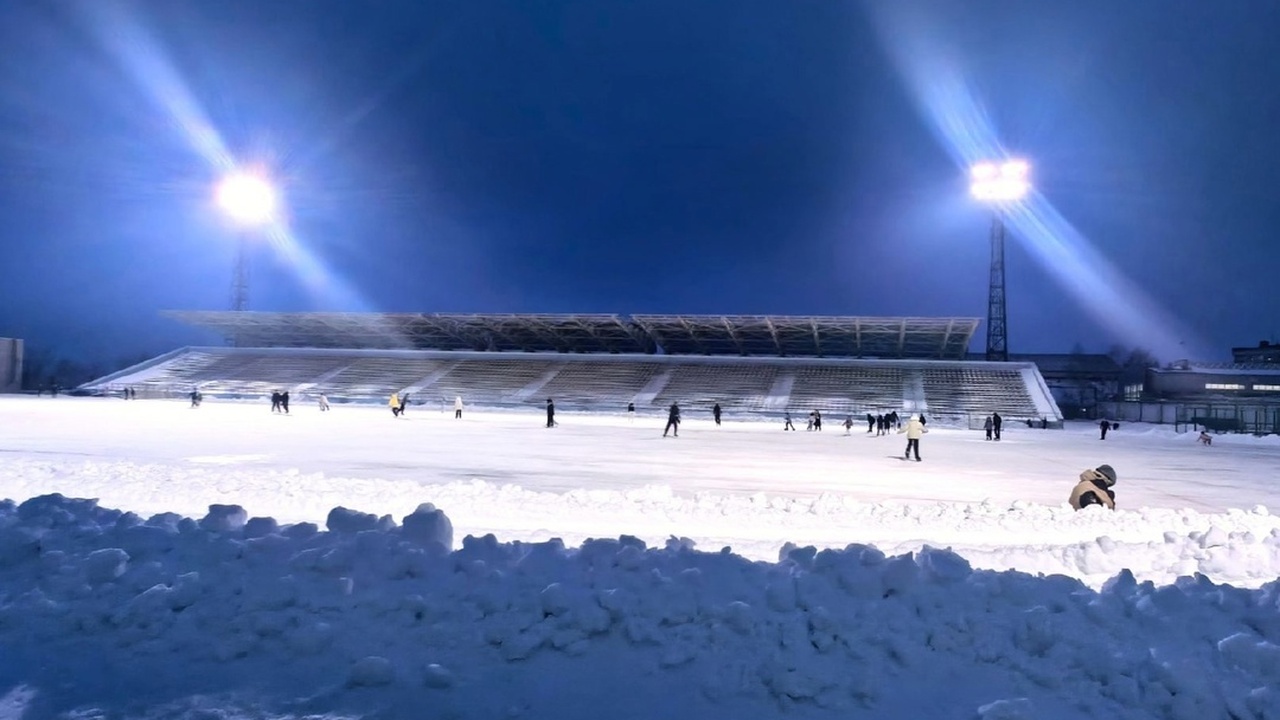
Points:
(951, 391)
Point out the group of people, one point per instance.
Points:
(992, 425)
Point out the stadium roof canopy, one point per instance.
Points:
(785, 336)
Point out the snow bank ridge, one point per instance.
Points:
(373, 607)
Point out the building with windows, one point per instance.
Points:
(1265, 353)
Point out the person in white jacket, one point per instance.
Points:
(914, 430)
(457, 408)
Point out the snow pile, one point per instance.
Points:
(102, 612)
(1158, 544)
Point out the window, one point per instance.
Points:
(1133, 392)
(1223, 386)
(1269, 388)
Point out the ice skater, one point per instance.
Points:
(394, 403)
(914, 430)
(786, 416)
(457, 408)
(551, 413)
(996, 423)
(631, 412)
(871, 423)
(1104, 426)
(1094, 488)
(715, 413)
(324, 403)
(1205, 438)
(989, 426)
(673, 421)
(848, 425)
(284, 401)
(275, 402)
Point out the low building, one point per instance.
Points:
(1078, 381)
(1202, 381)
(10, 365)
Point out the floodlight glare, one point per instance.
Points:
(1005, 182)
(247, 198)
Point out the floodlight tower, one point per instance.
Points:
(999, 184)
(249, 200)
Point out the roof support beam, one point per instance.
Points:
(733, 335)
(902, 338)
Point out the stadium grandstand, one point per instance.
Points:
(748, 364)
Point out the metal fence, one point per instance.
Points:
(1215, 416)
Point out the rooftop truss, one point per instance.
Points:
(817, 336)
(743, 335)
(494, 333)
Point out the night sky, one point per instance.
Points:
(716, 156)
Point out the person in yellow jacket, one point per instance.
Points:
(394, 402)
(914, 430)
(1094, 488)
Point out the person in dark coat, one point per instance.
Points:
(817, 420)
(989, 426)
(996, 423)
(673, 421)
(551, 413)
(1094, 488)
(786, 416)
(275, 402)
(871, 423)
(715, 413)
(284, 401)
(1104, 426)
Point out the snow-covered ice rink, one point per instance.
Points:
(1184, 508)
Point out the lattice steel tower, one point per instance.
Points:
(997, 318)
(1000, 185)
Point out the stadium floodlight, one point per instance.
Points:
(247, 198)
(1007, 181)
(998, 184)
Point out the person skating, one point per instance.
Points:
(817, 420)
(715, 413)
(673, 421)
(871, 423)
(914, 429)
(551, 413)
(195, 398)
(457, 408)
(324, 403)
(404, 404)
(1205, 438)
(284, 401)
(1104, 426)
(786, 416)
(989, 426)
(275, 402)
(394, 403)
(631, 412)
(1094, 488)
(848, 425)
(996, 423)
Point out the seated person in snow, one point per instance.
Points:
(1205, 438)
(1094, 488)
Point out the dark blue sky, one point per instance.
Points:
(723, 156)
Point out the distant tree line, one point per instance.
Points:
(43, 368)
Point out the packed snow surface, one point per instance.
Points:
(221, 574)
(1184, 508)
